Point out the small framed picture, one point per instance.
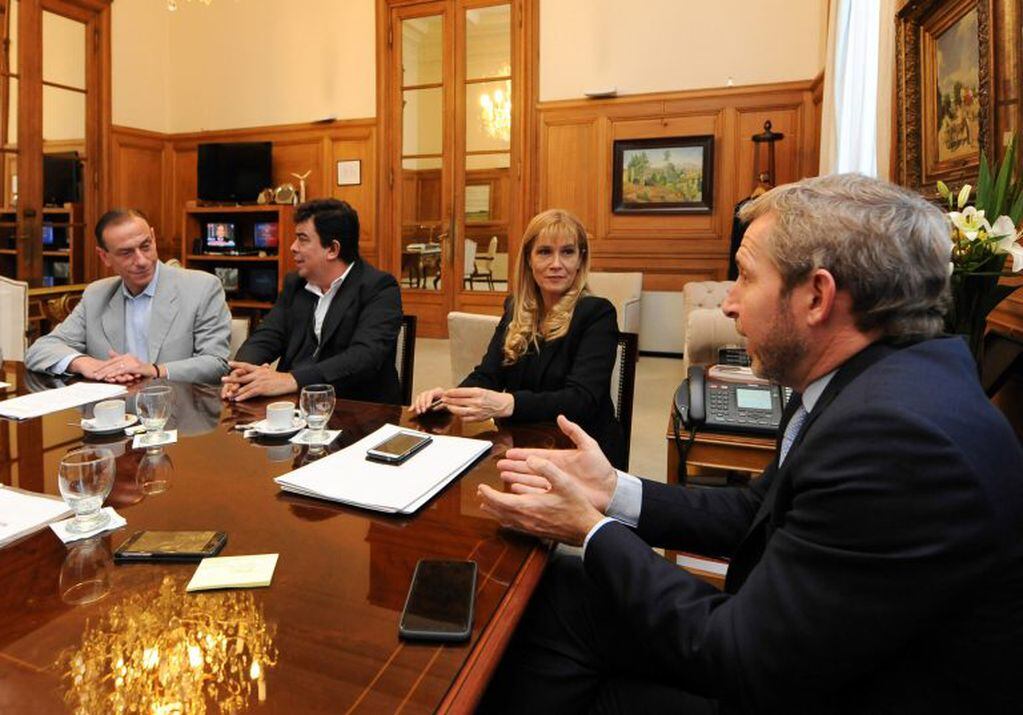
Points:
(349, 172)
(663, 175)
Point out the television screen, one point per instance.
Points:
(266, 235)
(61, 176)
(228, 277)
(234, 172)
(220, 236)
(47, 235)
(261, 283)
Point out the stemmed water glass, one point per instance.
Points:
(85, 477)
(317, 405)
(154, 407)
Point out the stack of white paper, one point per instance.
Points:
(61, 398)
(347, 476)
(23, 512)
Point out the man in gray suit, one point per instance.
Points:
(148, 321)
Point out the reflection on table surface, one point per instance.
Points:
(77, 631)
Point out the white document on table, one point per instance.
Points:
(23, 512)
(348, 477)
(61, 398)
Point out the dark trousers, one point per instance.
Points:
(571, 654)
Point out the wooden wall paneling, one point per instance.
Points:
(184, 186)
(787, 151)
(137, 166)
(359, 144)
(297, 155)
(572, 170)
(575, 159)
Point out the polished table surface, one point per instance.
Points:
(322, 638)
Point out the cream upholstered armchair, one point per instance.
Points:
(706, 327)
(624, 290)
(469, 335)
(13, 318)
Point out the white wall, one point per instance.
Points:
(642, 46)
(241, 63)
(140, 57)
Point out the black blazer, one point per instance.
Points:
(879, 570)
(358, 340)
(569, 376)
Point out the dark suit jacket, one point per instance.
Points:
(358, 340)
(569, 376)
(879, 570)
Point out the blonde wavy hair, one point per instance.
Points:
(530, 322)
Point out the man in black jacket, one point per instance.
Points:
(876, 566)
(336, 321)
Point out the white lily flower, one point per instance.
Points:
(964, 195)
(1011, 246)
(970, 222)
(943, 190)
(1002, 227)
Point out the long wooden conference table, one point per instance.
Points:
(323, 637)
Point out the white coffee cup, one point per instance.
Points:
(109, 413)
(280, 415)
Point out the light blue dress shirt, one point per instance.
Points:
(137, 309)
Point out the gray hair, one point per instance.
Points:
(886, 246)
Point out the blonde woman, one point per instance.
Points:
(554, 349)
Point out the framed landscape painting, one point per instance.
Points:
(943, 91)
(663, 175)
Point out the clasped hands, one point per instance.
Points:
(247, 380)
(119, 368)
(473, 404)
(557, 494)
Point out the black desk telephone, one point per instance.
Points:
(727, 398)
(737, 404)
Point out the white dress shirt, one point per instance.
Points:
(324, 300)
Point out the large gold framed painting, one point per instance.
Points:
(943, 90)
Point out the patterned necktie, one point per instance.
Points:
(791, 432)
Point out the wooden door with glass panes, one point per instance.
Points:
(454, 192)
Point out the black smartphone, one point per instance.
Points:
(440, 601)
(398, 447)
(170, 546)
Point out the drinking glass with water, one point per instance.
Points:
(317, 405)
(154, 406)
(85, 477)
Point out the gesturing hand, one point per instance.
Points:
(562, 511)
(476, 404)
(586, 464)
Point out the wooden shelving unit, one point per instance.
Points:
(246, 277)
(63, 262)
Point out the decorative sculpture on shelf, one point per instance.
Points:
(301, 185)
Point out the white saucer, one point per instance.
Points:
(263, 427)
(91, 426)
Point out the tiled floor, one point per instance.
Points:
(656, 379)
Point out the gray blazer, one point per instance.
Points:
(189, 326)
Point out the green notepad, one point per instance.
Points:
(233, 572)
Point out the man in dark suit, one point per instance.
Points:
(336, 321)
(876, 566)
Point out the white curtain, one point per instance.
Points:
(856, 123)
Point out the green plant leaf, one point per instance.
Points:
(1005, 171)
(1016, 209)
(983, 195)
